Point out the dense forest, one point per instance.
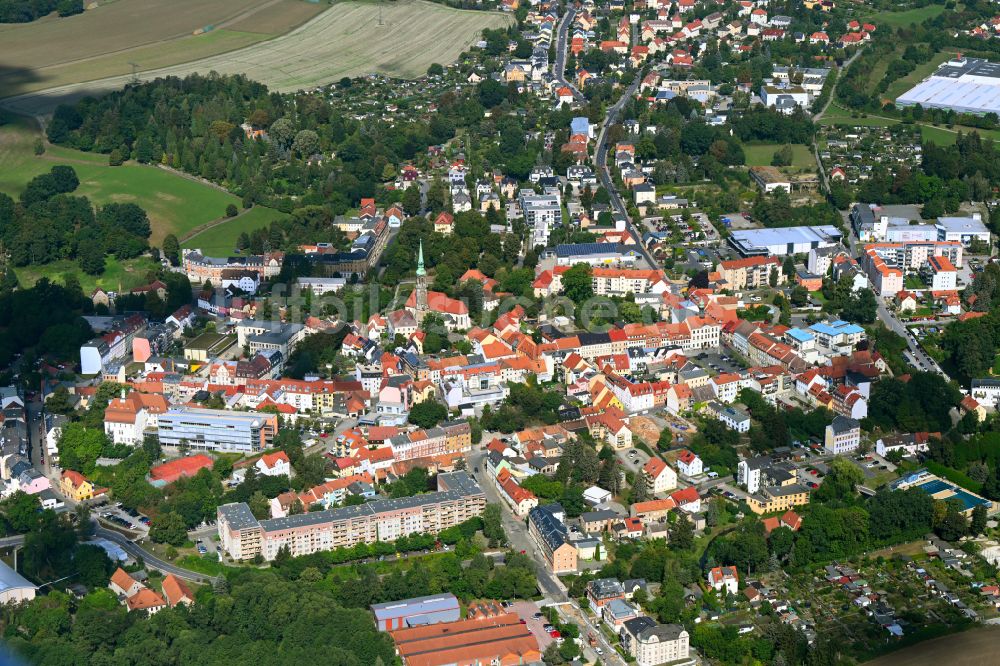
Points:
(25, 11)
(49, 224)
(194, 124)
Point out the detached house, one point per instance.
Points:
(659, 476)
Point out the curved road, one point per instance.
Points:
(132, 549)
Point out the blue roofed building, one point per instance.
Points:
(416, 612)
(580, 125)
(837, 337)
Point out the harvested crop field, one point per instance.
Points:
(975, 647)
(345, 40)
(102, 42)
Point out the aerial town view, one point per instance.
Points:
(499, 332)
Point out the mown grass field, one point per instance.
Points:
(175, 204)
(117, 274)
(760, 154)
(220, 240)
(904, 19)
(102, 42)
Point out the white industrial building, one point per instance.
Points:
(962, 229)
(964, 85)
(783, 241)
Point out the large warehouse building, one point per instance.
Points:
(782, 241)
(965, 85)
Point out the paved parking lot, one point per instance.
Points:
(526, 611)
(111, 513)
(716, 362)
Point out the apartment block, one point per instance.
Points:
(457, 499)
(751, 273)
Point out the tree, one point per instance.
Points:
(665, 439)
(169, 528)
(783, 156)
(172, 249)
(682, 534)
(282, 132)
(231, 210)
(428, 413)
(306, 143)
(493, 524)
(435, 69)
(578, 283)
(411, 199)
(978, 523)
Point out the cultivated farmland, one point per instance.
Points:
(345, 40)
(104, 41)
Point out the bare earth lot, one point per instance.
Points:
(345, 40)
(151, 33)
(975, 647)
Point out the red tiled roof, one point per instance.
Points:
(175, 469)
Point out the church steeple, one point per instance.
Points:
(421, 295)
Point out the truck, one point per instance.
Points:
(592, 639)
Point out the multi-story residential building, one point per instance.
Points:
(843, 435)
(113, 346)
(217, 429)
(457, 499)
(541, 213)
(652, 644)
(734, 417)
(547, 529)
(602, 591)
(986, 392)
(755, 473)
(659, 476)
(778, 498)
(944, 276)
(752, 273)
(837, 337)
(727, 386)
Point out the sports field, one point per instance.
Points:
(102, 42)
(175, 204)
(345, 40)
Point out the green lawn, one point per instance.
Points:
(175, 204)
(760, 154)
(837, 115)
(904, 19)
(913, 282)
(221, 239)
(117, 274)
(919, 73)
